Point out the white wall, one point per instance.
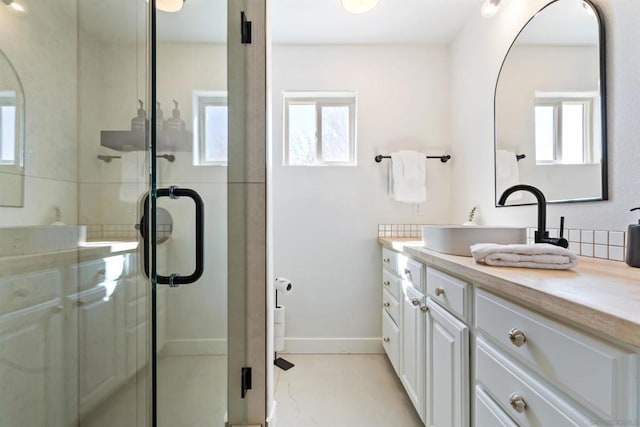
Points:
(476, 56)
(42, 47)
(325, 218)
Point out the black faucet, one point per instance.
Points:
(541, 235)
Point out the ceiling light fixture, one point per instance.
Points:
(167, 5)
(359, 6)
(489, 8)
(15, 6)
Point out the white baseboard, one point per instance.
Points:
(333, 345)
(195, 347)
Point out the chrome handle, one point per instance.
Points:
(386, 283)
(517, 403)
(517, 337)
(424, 309)
(439, 291)
(387, 305)
(407, 272)
(386, 339)
(385, 260)
(415, 302)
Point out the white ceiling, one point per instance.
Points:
(564, 22)
(292, 21)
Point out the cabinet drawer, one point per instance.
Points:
(599, 375)
(488, 413)
(392, 284)
(452, 293)
(391, 306)
(411, 271)
(389, 259)
(28, 289)
(391, 340)
(92, 273)
(508, 384)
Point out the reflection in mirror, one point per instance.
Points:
(550, 107)
(11, 135)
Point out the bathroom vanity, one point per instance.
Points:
(517, 347)
(88, 306)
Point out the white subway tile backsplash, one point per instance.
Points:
(586, 236)
(601, 237)
(589, 243)
(616, 238)
(586, 249)
(600, 251)
(616, 253)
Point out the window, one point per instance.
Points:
(319, 128)
(564, 130)
(211, 136)
(7, 128)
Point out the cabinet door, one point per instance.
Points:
(100, 315)
(412, 354)
(32, 385)
(448, 369)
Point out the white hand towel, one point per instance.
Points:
(507, 173)
(539, 255)
(407, 175)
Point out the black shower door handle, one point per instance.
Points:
(177, 279)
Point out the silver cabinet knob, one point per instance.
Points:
(385, 260)
(387, 304)
(517, 403)
(424, 309)
(386, 283)
(517, 337)
(415, 302)
(407, 272)
(439, 291)
(386, 339)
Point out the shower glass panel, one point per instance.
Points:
(191, 126)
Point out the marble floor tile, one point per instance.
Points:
(342, 391)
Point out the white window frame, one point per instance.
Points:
(320, 100)
(557, 100)
(202, 99)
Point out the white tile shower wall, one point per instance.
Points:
(608, 244)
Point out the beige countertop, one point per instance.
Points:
(598, 294)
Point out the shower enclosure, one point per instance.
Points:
(132, 213)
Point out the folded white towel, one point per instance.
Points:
(407, 176)
(539, 255)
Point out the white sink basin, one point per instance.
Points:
(456, 239)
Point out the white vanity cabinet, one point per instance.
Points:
(562, 375)
(447, 351)
(31, 349)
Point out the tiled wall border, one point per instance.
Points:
(603, 244)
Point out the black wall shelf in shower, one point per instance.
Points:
(134, 140)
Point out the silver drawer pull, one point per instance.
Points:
(385, 260)
(517, 403)
(415, 302)
(386, 339)
(386, 283)
(517, 337)
(439, 291)
(424, 309)
(386, 304)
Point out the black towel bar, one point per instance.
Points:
(443, 159)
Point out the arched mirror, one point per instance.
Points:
(550, 117)
(11, 135)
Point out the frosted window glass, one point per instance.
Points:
(216, 133)
(544, 129)
(335, 134)
(573, 133)
(302, 134)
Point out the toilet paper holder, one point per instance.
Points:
(284, 286)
